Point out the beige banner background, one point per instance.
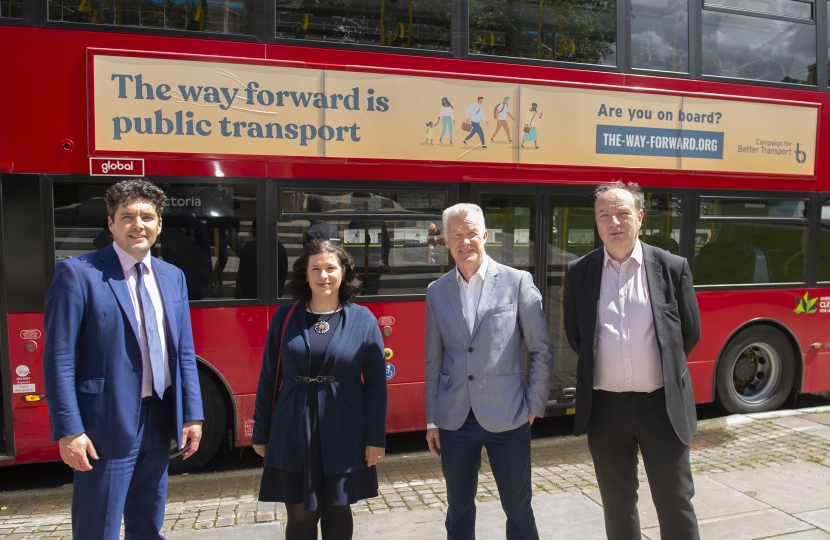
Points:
(386, 117)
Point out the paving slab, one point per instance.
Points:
(814, 534)
(819, 518)
(821, 418)
(712, 499)
(792, 487)
(749, 526)
(405, 525)
(269, 531)
(802, 423)
(558, 515)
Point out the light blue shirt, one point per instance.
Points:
(475, 113)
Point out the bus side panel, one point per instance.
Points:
(702, 374)
(724, 312)
(31, 418)
(406, 411)
(232, 339)
(405, 344)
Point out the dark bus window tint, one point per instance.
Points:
(743, 251)
(11, 9)
(395, 239)
(761, 49)
(824, 243)
(414, 24)
(661, 222)
(208, 231)
(222, 16)
(569, 31)
(511, 229)
(660, 35)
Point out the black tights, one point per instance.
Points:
(335, 522)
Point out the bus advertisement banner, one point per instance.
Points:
(163, 106)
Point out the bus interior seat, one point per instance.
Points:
(669, 244)
(730, 263)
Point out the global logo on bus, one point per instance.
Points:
(805, 304)
(116, 167)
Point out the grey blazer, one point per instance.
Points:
(676, 324)
(484, 371)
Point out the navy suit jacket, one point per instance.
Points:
(92, 359)
(352, 409)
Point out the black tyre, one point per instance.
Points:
(214, 429)
(756, 371)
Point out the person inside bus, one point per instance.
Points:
(120, 371)
(320, 416)
(477, 316)
(317, 228)
(634, 391)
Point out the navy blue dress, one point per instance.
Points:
(311, 488)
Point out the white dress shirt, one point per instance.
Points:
(475, 113)
(628, 357)
(130, 274)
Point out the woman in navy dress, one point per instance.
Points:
(321, 426)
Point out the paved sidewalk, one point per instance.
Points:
(757, 476)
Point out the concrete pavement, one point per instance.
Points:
(763, 475)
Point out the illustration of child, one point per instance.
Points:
(430, 133)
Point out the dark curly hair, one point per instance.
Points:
(349, 287)
(129, 190)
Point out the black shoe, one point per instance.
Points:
(483, 146)
(491, 138)
(465, 142)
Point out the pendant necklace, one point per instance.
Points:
(321, 326)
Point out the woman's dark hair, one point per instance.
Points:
(349, 287)
(448, 103)
(131, 190)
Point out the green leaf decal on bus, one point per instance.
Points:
(806, 304)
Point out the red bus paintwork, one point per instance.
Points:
(45, 103)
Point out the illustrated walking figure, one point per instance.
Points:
(430, 133)
(529, 129)
(475, 114)
(502, 113)
(446, 118)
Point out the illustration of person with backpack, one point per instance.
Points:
(501, 113)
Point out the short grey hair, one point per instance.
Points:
(631, 187)
(464, 211)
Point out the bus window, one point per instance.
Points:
(824, 243)
(221, 16)
(661, 223)
(511, 229)
(13, 10)
(574, 31)
(394, 238)
(742, 241)
(660, 35)
(208, 231)
(414, 24)
(740, 44)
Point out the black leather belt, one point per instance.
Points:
(319, 378)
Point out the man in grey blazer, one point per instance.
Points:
(632, 316)
(476, 393)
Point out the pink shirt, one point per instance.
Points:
(628, 358)
(130, 274)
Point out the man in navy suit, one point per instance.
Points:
(120, 371)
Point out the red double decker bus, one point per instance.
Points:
(266, 121)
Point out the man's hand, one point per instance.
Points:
(261, 449)
(374, 454)
(433, 441)
(531, 418)
(191, 435)
(74, 450)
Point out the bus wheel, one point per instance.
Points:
(756, 371)
(214, 429)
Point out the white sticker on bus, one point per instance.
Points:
(23, 388)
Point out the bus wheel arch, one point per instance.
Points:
(220, 419)
(757, 368)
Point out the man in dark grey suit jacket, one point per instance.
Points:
(476, 393)
(632, 316)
